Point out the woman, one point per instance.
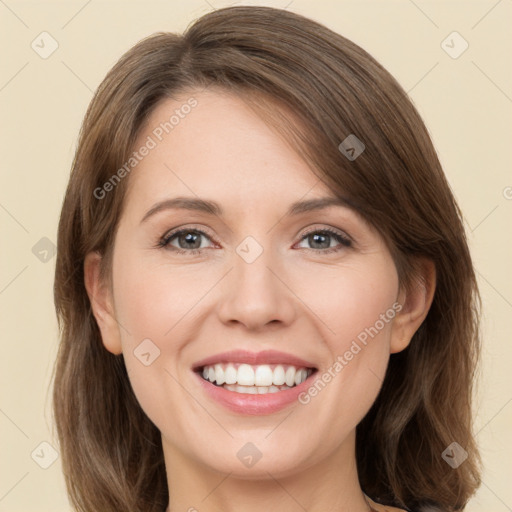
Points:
(263, 284)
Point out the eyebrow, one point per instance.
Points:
(213, 208)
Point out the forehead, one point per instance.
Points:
(212, 143)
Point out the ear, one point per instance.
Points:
(415, 303)
(100, 296)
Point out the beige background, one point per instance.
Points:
(466, 103)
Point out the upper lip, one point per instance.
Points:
(254, 358)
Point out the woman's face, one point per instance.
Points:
(264, 279)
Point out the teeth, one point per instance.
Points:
(254, 390)
(255, 379)
(245, 375)
(263, 376)
(279, 376)
(290, 376)
(219, 374)
(301, 376)
(230, 374)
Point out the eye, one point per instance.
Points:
(321, 239)
(188, 241)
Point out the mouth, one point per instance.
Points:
(254, 383)
(254, 379)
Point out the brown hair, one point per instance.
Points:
(111, 452)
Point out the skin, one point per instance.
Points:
(294, 297)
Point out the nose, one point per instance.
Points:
(256, 294)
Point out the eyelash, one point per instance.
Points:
(344, 241)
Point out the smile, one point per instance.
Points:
(254, 383)
(255, 379)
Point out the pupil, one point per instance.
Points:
(316, 238)
(190, 238)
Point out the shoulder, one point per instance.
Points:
(384, 508)
(387, 508)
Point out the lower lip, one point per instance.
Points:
(245, 403)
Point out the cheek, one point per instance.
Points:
(355, 308)
(151, 300)
(349, 300)
(148, 307)
(364, 328)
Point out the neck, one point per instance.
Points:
(330, 484)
